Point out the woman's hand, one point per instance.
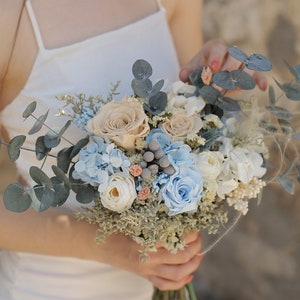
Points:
(215, 55)
(165, 270)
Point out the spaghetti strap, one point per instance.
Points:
(35, 25)
(159, 4)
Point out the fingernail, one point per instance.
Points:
(263, 84)
(189, 279)
(214, 65)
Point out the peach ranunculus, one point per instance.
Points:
(180, 125)
(122, 122)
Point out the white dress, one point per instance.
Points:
(89, 67)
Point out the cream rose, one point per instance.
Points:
(179, 125)
(122, 122)
(118, 193)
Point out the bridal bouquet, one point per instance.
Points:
(168, 159)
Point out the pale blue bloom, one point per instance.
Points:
(183, 191)
(179, 154)
(98, 160)
(81, 119)
(159, 136)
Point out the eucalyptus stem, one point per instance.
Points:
(191, 291)
(44, 124)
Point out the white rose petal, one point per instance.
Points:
(118, 193)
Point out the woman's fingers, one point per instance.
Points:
(215, 55)
(170, 277)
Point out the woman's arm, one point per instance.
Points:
(185, 21)
(58, 234)
(10, 12)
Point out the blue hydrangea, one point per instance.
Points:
(98, 160)
(81, 119)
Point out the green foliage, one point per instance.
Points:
(29, 110)
(38, 124)
(155, 99)
(14, 147)
(231, 80)
(255, 62)
(16, 198)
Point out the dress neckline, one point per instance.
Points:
(87, 40)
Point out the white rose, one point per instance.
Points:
(122, 122)
(209, 164)
(180, 125)
(118, 193)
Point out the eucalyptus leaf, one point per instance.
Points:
(41, 151)
(62, 192)
(279, 112)
(238, 54)
(287, 183)
(289, 167)
(142, 88)
(29, 110)
(195, 78)
(228, 104)
(292, 91)
(61, 176)
(242, 80)
(52, 138)
(40, 177)
(224, 80)
(268, 126)
(78, 146)
(291, 69)
(64, 158)
(156, 88)
(231, 80)
(214, 109)
(38, 124)
(141, 69)
(286, 126)
(210, 94)
(86, 195)
(14, 147)
(272, 98)
(258, 62)
(16, 198)
(157, 103)
(42, 197)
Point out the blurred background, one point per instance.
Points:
(260, 258)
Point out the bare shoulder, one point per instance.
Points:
(10, 11)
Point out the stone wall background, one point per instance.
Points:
(260, 258)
